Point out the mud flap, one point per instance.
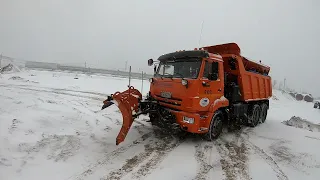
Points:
(128, 103)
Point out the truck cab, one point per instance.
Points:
(190, 85)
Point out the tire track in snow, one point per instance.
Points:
(273, 164)
(161, 152)
(91, 168)
(234, 160)
(83, 109)
(130, 164)
(141, 127)
(154, 153)
(201, 155)
(268, 159)
(60, 148)
(106, 159)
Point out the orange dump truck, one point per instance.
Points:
(198, 91)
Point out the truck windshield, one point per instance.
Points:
(182, 68)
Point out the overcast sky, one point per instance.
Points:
(283, 34)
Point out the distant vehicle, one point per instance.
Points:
(316, 104)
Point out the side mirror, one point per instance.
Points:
(150, 62)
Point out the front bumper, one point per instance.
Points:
(200, 124)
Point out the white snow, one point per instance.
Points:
(222, 98)
(51, 127)
(302, 123)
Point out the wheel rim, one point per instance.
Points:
(217, 126)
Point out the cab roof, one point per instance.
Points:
(184, 54)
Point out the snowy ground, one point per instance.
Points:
(51, 127)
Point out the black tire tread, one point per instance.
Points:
(208, 136)
(252, 118)
(264, 109)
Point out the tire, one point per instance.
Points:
(264, 113)
(156, 122)
(216, 126)
(254, 117)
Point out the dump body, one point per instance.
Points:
(255, 87)
(254, 84)
(252, 77)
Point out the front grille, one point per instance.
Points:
(172, 98)
(172, 101)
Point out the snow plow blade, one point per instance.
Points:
(128, 103)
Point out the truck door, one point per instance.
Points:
(212, 80)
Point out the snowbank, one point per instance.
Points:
(302, 124)
(286, 107)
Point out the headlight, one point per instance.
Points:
(188, 120)
(184, 82)
(151, 80)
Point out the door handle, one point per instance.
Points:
(205, 84)
(219, 89)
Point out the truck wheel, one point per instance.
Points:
(264, 112)
(254, 117)
(216, 126)
(154, 119)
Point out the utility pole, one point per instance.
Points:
(129, 76)
(284, 84)
(141, 82)
(0, 59)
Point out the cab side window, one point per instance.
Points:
(211, 70)
(207, 70)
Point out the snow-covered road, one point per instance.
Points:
(51, 127)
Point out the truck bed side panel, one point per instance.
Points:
(255, 86)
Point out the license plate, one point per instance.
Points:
(165, 94)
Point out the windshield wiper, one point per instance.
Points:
(168, 75)
(179, 74)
